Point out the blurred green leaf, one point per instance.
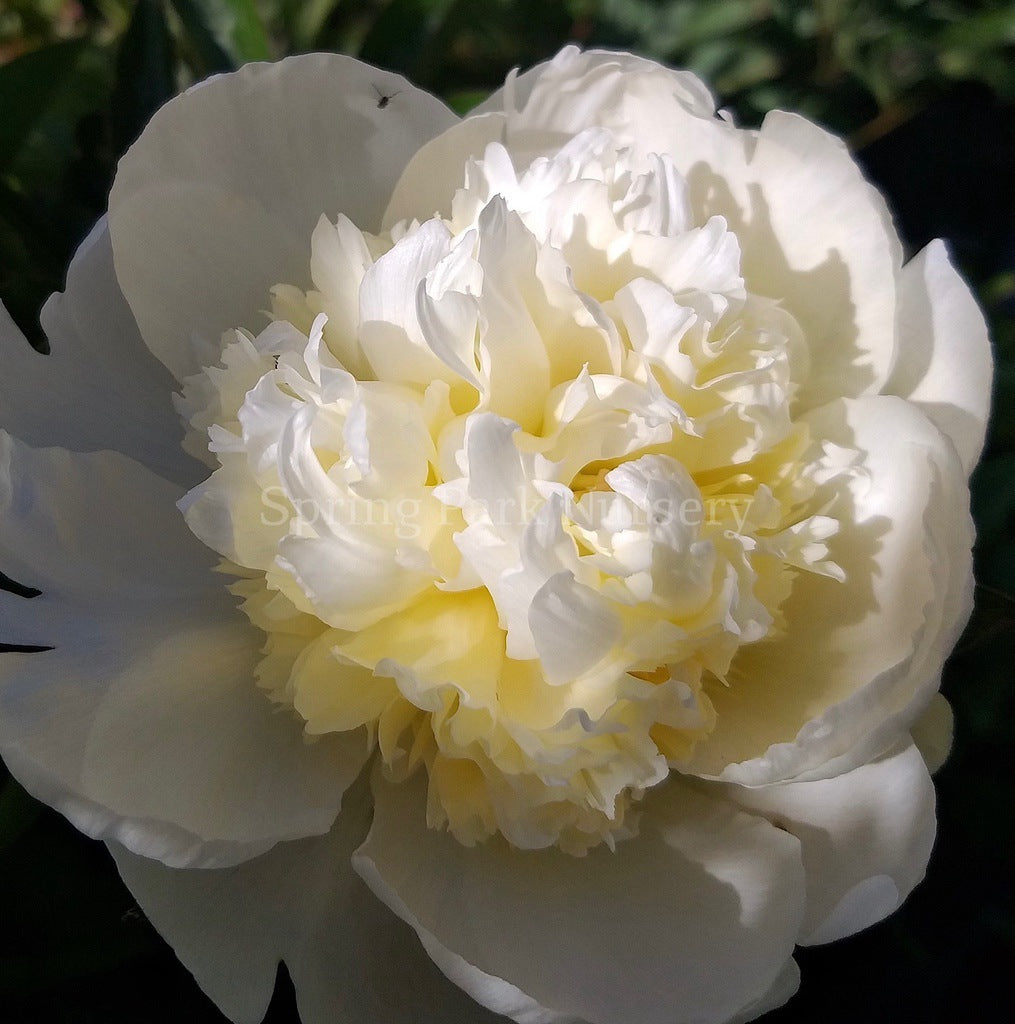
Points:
(402, 32)
(224, 33)
(56, 141)
(1003, 427)
(714, 21)
(241, 27)
(993, 488)
(28, 86)
(748, 65)
(210, 56)
(462, 101)
(305, 20)
(981, 31)
(56, 185)
(145, 79)
(18, 812)
(993, 618)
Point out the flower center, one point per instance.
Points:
(510, 489)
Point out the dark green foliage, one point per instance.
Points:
(144, 72)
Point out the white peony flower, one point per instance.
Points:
(569, 527)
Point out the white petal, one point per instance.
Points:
(944, 363)
(77, 525)
(820, 239)
(349, 580)
(388, 438)
(573, 627)
(447, 308)
(231, 496)
(498, 473)
(859, 659)
(866, 837)
(432, 175)
(348, 566)
(933, 733)
(218, 199)
(814, 234)
(339, 260)
(543, 109)
(658, 200)
(516, 316)
(498, 995)
(692, 920)
(99, 388)
(391, 335)
(144, 722)
(350, 959)
(705, 259)
(576, 90)
(783, 988)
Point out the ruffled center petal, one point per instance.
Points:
(512, 487)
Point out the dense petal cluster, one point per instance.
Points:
(535, 478)
(567, 554)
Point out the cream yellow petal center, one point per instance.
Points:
(510, 490)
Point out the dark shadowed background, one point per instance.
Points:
(925, 92)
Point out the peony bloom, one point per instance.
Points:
(550, 525)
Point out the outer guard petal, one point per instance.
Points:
(944, 363)
(814, 234)
(349, 958)
(99, 388)
(218, 199)
(692, 920)
(859, 660)
(143, 722)
(866, 837)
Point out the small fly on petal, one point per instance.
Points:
(383, 99)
